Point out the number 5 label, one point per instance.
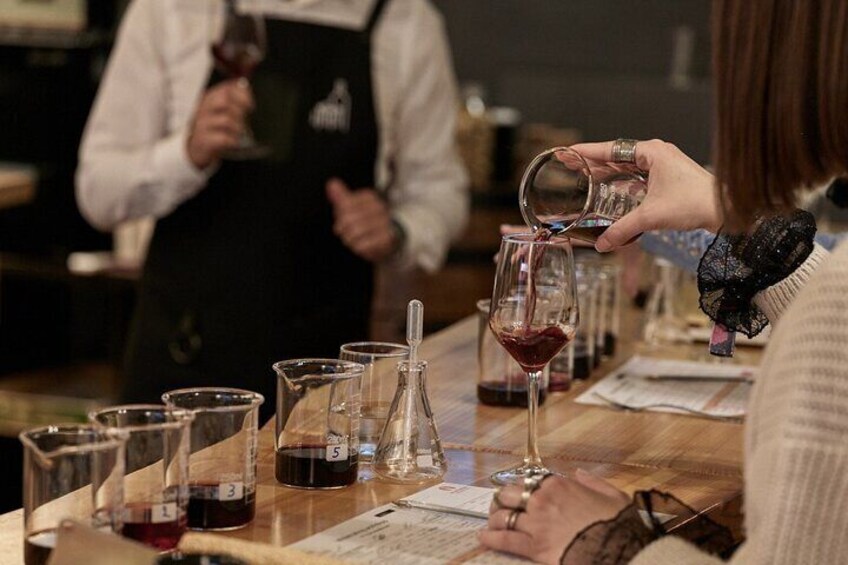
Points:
(337, 452)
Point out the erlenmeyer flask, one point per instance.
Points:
(409, 450)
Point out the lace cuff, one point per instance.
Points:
(617, 541)
(735, 267)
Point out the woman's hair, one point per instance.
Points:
(781, 72)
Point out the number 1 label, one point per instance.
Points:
(160, 513)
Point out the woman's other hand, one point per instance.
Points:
(681, 194)
(560, 509)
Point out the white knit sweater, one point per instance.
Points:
(796, 441)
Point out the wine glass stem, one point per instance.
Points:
(531, 456)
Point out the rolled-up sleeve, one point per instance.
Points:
(430, 198)
(130, 165)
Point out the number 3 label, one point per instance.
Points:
(230, 491)
(336, 452)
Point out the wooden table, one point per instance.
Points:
(698, 460)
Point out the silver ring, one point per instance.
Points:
(624, 151)
(512, 520)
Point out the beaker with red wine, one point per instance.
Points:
(156, 463)
(317, 424)
(222, 464)
(73, 471)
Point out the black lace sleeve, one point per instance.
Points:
(617, 541)
(735, 267)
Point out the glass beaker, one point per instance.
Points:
(70, 471)
(156, 482)
(317, 440)
(500, 379)
(410, 450)
(378, 387)
(222, 464)
(563, 192)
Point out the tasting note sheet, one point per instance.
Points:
(390, 534)
(639, 383)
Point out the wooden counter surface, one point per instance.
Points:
(696, 459)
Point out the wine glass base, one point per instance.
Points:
(518, 474)
(247, 152)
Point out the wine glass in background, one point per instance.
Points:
(534, 316)
(565, 193)
(238, 46)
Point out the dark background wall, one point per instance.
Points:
(602, 66)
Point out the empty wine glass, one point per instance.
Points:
(534, 316)
(565, 193)
(238, 46)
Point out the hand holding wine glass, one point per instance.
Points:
(533, 315)
(218, 123)
(238, 46)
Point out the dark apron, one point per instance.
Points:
(249, 271)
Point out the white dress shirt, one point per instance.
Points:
(133, 159)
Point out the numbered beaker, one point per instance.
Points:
(70, 472)
(317, 441)
(222, 464)
(156, 481)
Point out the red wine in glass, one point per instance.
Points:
(38, 546)
(210, 513)
(532, 349)
(164, 535)
(505, 393)
(306, 466)
(235, 59)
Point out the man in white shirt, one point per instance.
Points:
(254, 261)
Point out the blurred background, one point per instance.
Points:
(533, 74)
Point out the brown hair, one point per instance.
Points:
(781, 72)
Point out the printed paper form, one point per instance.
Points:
(627, 385)
(389, 534)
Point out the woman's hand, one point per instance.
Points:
(560, 509)
(681, 194)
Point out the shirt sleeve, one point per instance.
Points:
(130, 165)
(429, 198)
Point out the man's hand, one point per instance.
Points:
(218, 122)
(362, 221)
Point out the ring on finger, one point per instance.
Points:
(624, 150)
(512, 520)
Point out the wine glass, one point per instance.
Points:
(238, 46)
(534, 316)
(565, 193)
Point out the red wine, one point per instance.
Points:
(533, 349)
(160, 535)
(582, 365)
(213, 514)
(609, 344)
(37, 547)
(306, 466)
(589, 229)
(237, 60)
(503, 393)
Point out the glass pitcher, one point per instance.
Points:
(563, 192)
(71, 471)
(222, 464)
(317, 425)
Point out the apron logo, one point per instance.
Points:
(333, 113)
